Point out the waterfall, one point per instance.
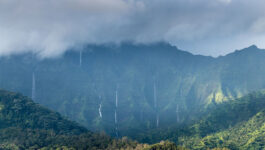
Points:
(33, 90)
(100, 107)
(116, 105)
(80, 59)
(116, 131)
(155, 104)
(155, 98)
(115, 114)
(157, 120)
(116, 99)
(99, 110)
(177, 111)
(116, 123)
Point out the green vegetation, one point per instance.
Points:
(164, 145)
(26, 125)
(188, 82)
(245, 135)
(20, 111)
(199, 103)
(194, 94)
(237, 124)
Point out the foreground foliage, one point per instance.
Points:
(27, 125)
(237, 124)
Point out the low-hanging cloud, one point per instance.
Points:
(210, 27)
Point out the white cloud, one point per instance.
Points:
(49, 27)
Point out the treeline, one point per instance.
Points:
(27, 125)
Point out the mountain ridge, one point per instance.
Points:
(85, 80)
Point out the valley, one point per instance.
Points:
(149, 93)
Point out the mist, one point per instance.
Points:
(209, 27)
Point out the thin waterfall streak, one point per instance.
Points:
(116, 99)
(116, 121)
(157, 120)
(100, 107)
(116, 130)
(80, 59)
(99, 110)
(177, 111)
(33, 91)
(116, 124)
(116, 108)
(155, 97)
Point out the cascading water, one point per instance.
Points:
(100, 108)
(177, 111)
(33, 90)
(117, 135)
(157, 120)
(115, 114)
(80, 59)
(155, 104)
(155, 98)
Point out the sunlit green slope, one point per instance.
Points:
(245, 135)
(237, 124)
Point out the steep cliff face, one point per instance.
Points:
(156, 84)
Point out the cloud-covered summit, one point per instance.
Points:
(210, 27)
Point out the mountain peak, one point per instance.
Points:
(252, 47)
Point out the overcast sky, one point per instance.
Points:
(208, 27)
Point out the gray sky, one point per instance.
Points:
(208, 27)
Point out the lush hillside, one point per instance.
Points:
(154, 85)
(245, 135)
(165, 145)
(237, 124)
(19, 111)
(27, 125)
